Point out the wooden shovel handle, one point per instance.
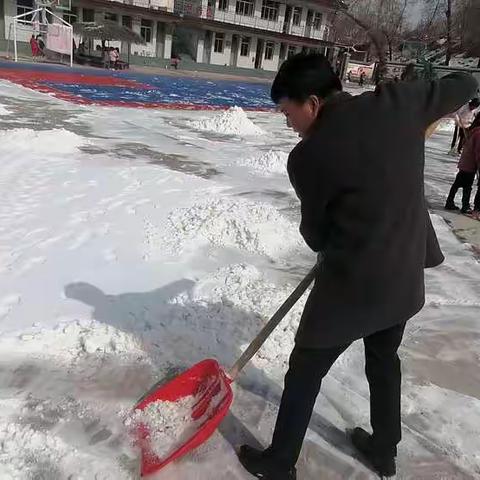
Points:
(260, 339)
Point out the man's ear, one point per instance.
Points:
(316, 104)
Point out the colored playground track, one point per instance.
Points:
(89, 86)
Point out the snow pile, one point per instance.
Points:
(252, 226)
(244, 301)
(30, 453)
(3, 110)
(273, 161)
(233, 121)
(78, 338)
(43, 142)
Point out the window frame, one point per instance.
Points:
(270, 49)
(219, 43)
(88, 10)
(146, 31)
(70, 15)
(223, 5)
(317, 20)
(245, 41)
(270, 10)
(245, 8)
(297, 12)
(25, 6)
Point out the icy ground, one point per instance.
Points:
(133, 244)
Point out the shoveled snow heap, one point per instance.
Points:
(170, 424)
(256, 227)
(51, 142)
(273, 161)
(234, 121)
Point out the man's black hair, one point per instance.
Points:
(474, 103)
(304, 75)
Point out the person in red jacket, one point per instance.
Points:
(468, 166)
(34, 46)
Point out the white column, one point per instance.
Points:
(167, 49)
(228, 48)
(200, 47)
(281, 16)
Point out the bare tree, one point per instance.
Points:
(448, 13)
(380, 21)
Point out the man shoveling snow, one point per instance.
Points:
(363, 209)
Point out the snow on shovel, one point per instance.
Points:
(195, 402)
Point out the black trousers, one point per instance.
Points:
(463, 180)
(302, 385)
(460, 134)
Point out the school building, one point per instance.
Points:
(251, 34)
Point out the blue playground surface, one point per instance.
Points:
(134, 89)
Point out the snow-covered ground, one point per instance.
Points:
(134, 243)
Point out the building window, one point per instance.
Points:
(146, 30)
(317, 21)
(127, 21)
(71, 16)
(245, 7)
(270, 10)
(245, 47)
(269, 48)
(219, 42)
(292, 50)
(25, 6)
(88, 15)
(223, 5)
(113, 17)
(297, 16)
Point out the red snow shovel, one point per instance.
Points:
(211, 387)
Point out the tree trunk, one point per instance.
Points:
(448, 13)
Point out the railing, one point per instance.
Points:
(196, 9)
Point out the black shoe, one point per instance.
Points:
(466, 210)
(451, 206)
(383, 464)
(260, 466)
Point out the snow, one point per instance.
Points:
(3, 110)
(47, 142)
(271, 162)
(233, 121)
(256, 227)
(133, 246)
(169, 424)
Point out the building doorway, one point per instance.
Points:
(259, 53)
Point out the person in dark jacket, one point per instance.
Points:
(409, 74)
(468, 166)
(363, 209)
